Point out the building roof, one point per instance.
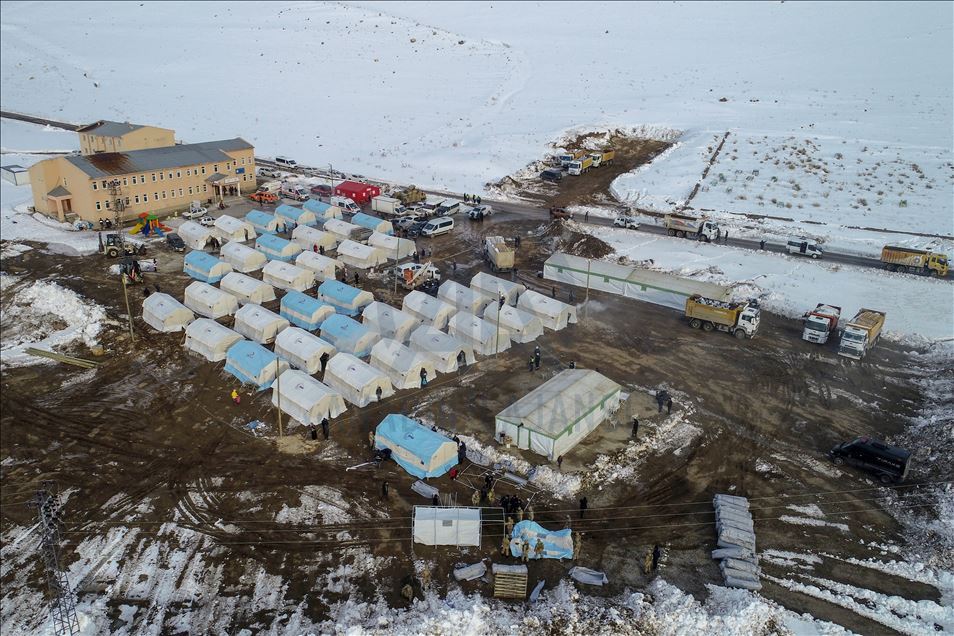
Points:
(106, 128)
(118, 163)
(59, 191)
(218, 176)
(13, 167)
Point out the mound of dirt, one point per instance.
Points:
(564, 239)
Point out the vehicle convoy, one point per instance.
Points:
(739, 319)
(410, 195)
(861, 333)
(905, 259)
(296, 192)
(820, 323)
(579, 166)
(499, 255)
(804, 247)
(601, 158)
(887, 463)
(691, 227)
(387, 205)
(113, 246)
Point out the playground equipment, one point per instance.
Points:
(149, 224)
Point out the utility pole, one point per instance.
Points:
(278, 395)
(586, 301)
(122, 277)
(497, 336)
(62, 603)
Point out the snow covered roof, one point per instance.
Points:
(178, 156)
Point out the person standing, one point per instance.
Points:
(635, 427)
(324, 361)
(525, 548)
(668, 406)
(538, 549)
(519, 514)
(423, 377)
(508, 527)
(584, 504)
(560, 463)
(657, 553)
(371, 438)
(762, 244)
(504, 546)
(553, 290)
(435, 500)
(586, 216)
(384, 489)
(475, 499)
(236, 398)
(536, 356)
(324, 427)
(530, 365)
(725, 238)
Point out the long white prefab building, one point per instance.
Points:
(305, 399)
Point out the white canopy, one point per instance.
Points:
(554, 314)
(194, 235)
(388, 321)
(208, 301)
(302, 349)
(394, 247)
(323, 266)
(523, 327)
(258, 324)
(447, 526)
(463, 298)
(247, 289)
(357, 381)
(360, 256)
(229, 228)
(242, 258)
(402, 366)
(305, 399)
(164, 313)
(495, 287)
(444, 351)
(427, 309)
(310, 238)
(485, 338)
(287, 276)
(342, 230)
(210, 339)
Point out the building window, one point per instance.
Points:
(203, 169)
(127, 200)
(104, 185)
(134, 179)
(125, 181)
(137, 198)
(170, 175)
(215, 168)
(99, 206)
(95, 187)
(243, 161)
(235, 163)
(178, 174)
(142, 178)
(190, 189)
(155, 196)
(163, 194)
(161, 175)
(180, 192)
(205, 188)
(153, 177)
(107, 204)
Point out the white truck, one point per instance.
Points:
(861, 333)
(296, 192)
(691, 227)
(387, 205)
(820, 323)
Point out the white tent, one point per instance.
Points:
(247, 289)
(258, 324)
(206, 300)
(242, 258)
(164, 313)
(495, 287)
(357, 381)
(554, 417)
(349, 335)
(427, 309)
(402, 366)
(195, 236)
(523, 327)
(229, 228)
(360, 256)
(394, 247)
(444, 351)
(302, 349)
(485, 338)
(210, 339)
(388, 321)
(310, 238)
(554, 314)
(463, 298)
(287, 276)
(305, 399)
(323, 266)
(447, 526)
(344, 231)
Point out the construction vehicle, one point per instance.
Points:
(581, 165)
(905, 259)
(264, 197)
(861, 333)
(820, 323)
(691, 227)
(413, 275)
(499, 255)
(601, 158)
(410, 195)
(566, 158)
(114, 245)
(739, 319)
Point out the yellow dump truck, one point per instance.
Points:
(861, 333)
(600, 158)
(499, 255)
(905, 259)
(739, 319)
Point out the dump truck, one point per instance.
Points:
(580, 165)
(691, 227)
(387, 205)
(820, 323)
(861, 333)
(571, 156)
(410, 195)
(739, 319)
(499, 255)
(905, 259)
(600, 158)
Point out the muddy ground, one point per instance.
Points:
(151, 438)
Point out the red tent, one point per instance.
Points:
(358, 192)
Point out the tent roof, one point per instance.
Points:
(312, 234)
(250, 356)
(340, 291)
(192, 228)
(242, 283)
(399, 357)
(409, 434)
(302, 343)
(231, 224)
(389, 243)
(257, 217)
(427, 305)
(318, 207)
(240, 251)
(286, 271)
(383, 314)
(340, 227)
(366, 220)
(208, 330)
(436, 340)
(301, 388)
(543, 304)
(201, 260)
(163, 305)
(509, 315)
(355, 372)
(484, 283)
(560, 401)
(477, 328)
(207, 292)
(274, 243)
(343, 327)
(302, 303)
(460, 295)
(357, 250)
(317, 262)
(257, 316)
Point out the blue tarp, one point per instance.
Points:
(556, 545)
(246, 360)
(302, 310)
(273, 248)
(321, 210)
(366, 220)
(295, 214)
(340, 296)
(348, 335)
(199, 266)
(420, 442)
(262, 221)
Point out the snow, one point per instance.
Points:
(318, 504)
(20, 137)
(811, 521)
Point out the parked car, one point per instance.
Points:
(175, 242)
(480, 212)
(887, 463)
(432, 272)
(407, 222)
(628, 222)
(560, 213)
(286, 161)
(430, 287)
(438, 226)
(196, 211)
(804, 247)
(207, 221)
(322, 190)
(415, 230)
(552, 174)
(270, 173)
(264, 197)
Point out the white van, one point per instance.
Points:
(804, 247)
(285, 161)
(295, 192)
(347, 205)
(441, 225)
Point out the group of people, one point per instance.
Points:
(472, 198)
(105, 224)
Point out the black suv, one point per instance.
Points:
(175, 243)
(552, 174)
(887, 463)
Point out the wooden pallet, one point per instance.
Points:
(510, 581)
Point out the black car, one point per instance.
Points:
(415, 230)
(430, 287)
(175, 243)
(887, 463)
(552, 175)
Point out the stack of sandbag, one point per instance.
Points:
(739, 565)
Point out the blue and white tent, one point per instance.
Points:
(416, 448)
(304, 311)
(346, 299)
(205, 267)
(373, 223)
(322, 211)
(252, 363)
(557, 544)
(296, 216)
(276, 248)
(265, 223)
(349, 335)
